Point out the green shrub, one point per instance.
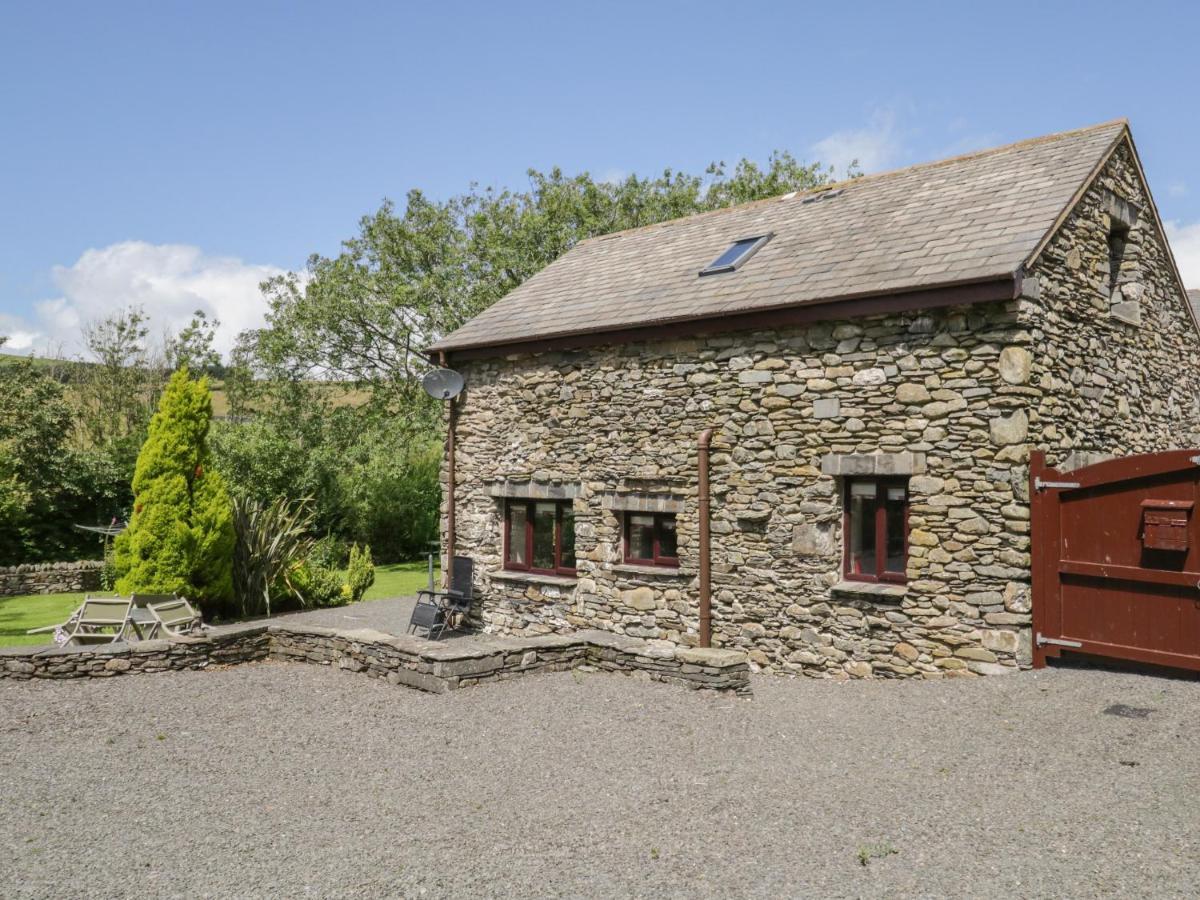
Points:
(319, 586)
(360, 572)
(330, 553)
(108, 573)
(390, 499)
(180, 537)
(271, 539)
(371, 479)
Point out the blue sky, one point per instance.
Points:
(172, 154)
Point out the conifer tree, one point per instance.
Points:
(180, 537)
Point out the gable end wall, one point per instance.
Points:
(1105, 386)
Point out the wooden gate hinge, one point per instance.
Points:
(1040, 485)
(1042, 641)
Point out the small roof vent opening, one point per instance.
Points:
(738, 253)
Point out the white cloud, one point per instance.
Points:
(1185, 245)
(20, 340)
(1177, 189)
(169, 281)
(970, 143)
(875, 147)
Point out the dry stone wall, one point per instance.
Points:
(398, 659)
(436, 667)
(50, 578)
(237, 645)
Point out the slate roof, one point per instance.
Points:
(969, 219)
(1194, 296)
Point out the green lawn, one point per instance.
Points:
(400, 580)
(19, 614)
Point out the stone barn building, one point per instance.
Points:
(871, 364)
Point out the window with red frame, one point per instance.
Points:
(650, 539)
(539, 537)
(876, 530)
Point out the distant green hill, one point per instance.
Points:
(66, 369)
(7, 356)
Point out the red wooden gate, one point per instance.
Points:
(1116, 559)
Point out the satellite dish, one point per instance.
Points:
(442, 384)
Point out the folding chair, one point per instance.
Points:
(72, 618)
(101, 620)
(175, 617)
(143, 620)
(437, 611)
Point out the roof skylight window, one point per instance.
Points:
(737, 254)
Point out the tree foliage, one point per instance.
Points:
(324, 401)
(373, 480)
(46, 484)
(193, 347)
(410, 276)
(180, 537)
(116, 395)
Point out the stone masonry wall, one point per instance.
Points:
(1115, 372)
(246, 643)
(399, 659)
(437, 667)
(937, 395)
(50, 578)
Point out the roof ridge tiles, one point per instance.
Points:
(800, 195)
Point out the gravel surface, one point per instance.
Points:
(275, 779)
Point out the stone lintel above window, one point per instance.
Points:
(527, 489)
(841, 465)
(1120, 210)
(648, 503)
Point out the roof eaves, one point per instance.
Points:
(1009, 283)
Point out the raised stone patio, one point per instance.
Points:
(434, 666)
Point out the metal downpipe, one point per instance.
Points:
(705, 540)
(450, 484)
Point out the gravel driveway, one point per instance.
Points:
(284, 780)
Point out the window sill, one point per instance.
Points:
(565, 581)
(663, 571)
(871, 590)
